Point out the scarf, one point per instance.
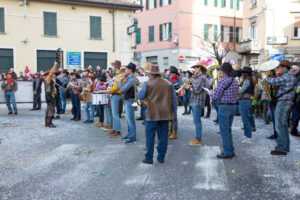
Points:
(174, 79)
(10, 80)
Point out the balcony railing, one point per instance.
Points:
(250, 46)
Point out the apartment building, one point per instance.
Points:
(89, 32)
(170, 31)
(271, 30)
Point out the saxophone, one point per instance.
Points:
(269, 90)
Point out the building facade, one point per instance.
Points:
(170, 31)
(271, 30)
(89, 32)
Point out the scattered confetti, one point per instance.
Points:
(83, 152)
(297, 164)
(98, 173)
(233, 171)
(10, 124)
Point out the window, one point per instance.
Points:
(223, 3)
(165, 31)
(237, 4)
(205, 2)
(50, 24)
(151, 33)
(138, 36)
(151, 4)
(297, 28)
(152, 59)
(216, 3)
(253, 30)
(95, 27)
(227, 33)
(166, 62)
(141, 3)
(238, 34)
(208, 32)
(2, 21)
(164, 2)
(231, 4)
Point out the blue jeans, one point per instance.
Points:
(245, 109)
(129, 112)
(100, 112)
(281, 125)
(10, 98)
(62, 99)
(89, 109)
(108, 114)
(295, 114)
(252, 122)
(161, 127)
(197, 120)
(226, 114)
(272, 111)
(216, 105)
(115, 100)
(186, 100)
(76, 103)
(143, 112)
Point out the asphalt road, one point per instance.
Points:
(79, 161)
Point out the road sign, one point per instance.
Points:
(131, 29)
(278, 57)
(74, 58)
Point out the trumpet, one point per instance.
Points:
(188, 82)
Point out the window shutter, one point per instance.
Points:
(46, 24)
(160, 32)
(50, 24)
(237, 34)
(95, 27)
(223, 3)
(54, 24)
(147, 4)
(170, 31)
(230, 34)
(216, 3)
(205, 31)
(205, 2)
(138, 36)
(231, 4)
(222, 33)
(155, 3)
(215, 32)
(237, 4)
(2, 21)
(170, 1)
(151, 33)
(295, 32)
(160, 3)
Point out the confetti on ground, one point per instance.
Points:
(233, 171)
(83, 152)
(10, 124)
(0, 140)
(98, 173)
(297, 164)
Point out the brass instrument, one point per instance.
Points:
(187, 83)
(269, 90)
(137, 85)
(210, 71)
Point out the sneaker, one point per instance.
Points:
(195, 142)
(130, 141)
(99, 124)
(247, 141)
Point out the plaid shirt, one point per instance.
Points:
(198, 95)
(285, 82)
(230, 94)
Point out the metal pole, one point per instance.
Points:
(234, 29)
(114, 42)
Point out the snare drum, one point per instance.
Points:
(96, 99)
(103, 99)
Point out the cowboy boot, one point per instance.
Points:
(174, 135)
(74, 117)
(78, 118)
(51, 125)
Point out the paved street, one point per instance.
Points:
(79, 161)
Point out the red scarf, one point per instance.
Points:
(174, 79)
(10, 80)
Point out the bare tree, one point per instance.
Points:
(215, 48)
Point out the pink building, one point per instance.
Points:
(172, 29)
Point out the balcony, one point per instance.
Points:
(250, 46)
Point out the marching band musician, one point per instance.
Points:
(284, 97)
(88, 88)
(226, 94)
(161, 103)
(128, 89)
(10, 86)
(197, 101)
(115, 100)
(187, 95)
(245, 92)
(75, 88)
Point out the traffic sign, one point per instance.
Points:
(74, 58)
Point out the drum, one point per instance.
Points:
(103, 99)
(96, 99)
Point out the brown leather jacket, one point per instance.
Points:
(159, 97)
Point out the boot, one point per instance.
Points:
(78, 118)
(173, 136)
(51, 124)
(46, 121)
(74, 117)
(169, 134)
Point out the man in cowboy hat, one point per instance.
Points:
(37, 90)
(88, 89)
(162, 102)
(176, 81)
(129, 97)
(187, 94)
(10, 86)
(64, 80)
(75, 87)
(197, 100)
(245, 92)
(284, 97)
(226, 94)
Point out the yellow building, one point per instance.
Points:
(89, 32)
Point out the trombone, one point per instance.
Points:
(187, 83)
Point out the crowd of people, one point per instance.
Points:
(106, 92)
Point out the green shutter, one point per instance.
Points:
(231, 4)
(205, 31)
(216, 3)
(170, 31)
(50, 24)
(155, 3)
(160, 32)
(2, 21)
(237, 34)
(170, 1)
(230, 34)
(222, 33)
(147, 4)
(237, 4)
(151, 33)
(205, 2)
(138, 36)
(95, 27)
(160, 3)
(223, 3)
(215, 32)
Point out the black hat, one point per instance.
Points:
(131, 66)
(247, 69)
(65, 71)
(102, 78)
(189, 72)
(226, 68)
(174, 70)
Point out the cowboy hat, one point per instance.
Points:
(131, 66)
(174, 70)
(154, 69)
(247, 69)
(226, 68)
(147, 66)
